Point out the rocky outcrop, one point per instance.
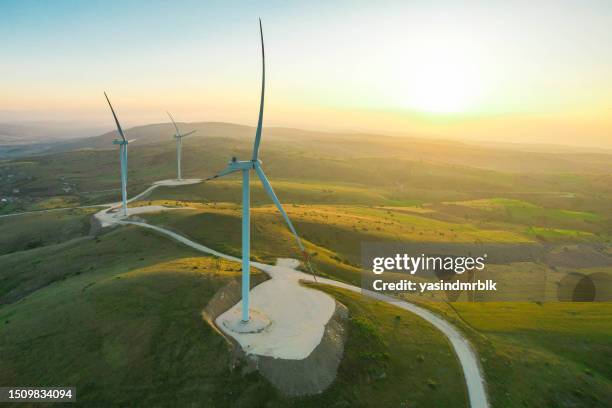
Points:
(316, 372)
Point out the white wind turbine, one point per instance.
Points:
(245, 167)
(179, 144)
(123, 157)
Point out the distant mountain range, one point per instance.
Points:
(521, 158)
(152, 133)
(43, 132)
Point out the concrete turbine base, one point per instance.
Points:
(257, 323)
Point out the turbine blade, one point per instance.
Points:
(178, 132)
(221, 174)
(261, 103)
(188, 133)
(132, 140)
(115, 116)
(268, 187)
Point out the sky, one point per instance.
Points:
(517, 72)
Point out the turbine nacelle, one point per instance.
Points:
(180, 136)
(123, 142)
(235, 165)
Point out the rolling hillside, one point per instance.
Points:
(397, 170)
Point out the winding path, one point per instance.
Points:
(110, 206)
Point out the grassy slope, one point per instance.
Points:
(122, 323)
(393, 358)
(220, 227)
(333, 233)
(556, 354)
(535, 219)
(127, 330)
(45, 228)
(228, 190)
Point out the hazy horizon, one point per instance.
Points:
(474, 71)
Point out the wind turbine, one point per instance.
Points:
(246, 166)
(123, 157)
(179, 144)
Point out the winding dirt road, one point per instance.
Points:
(472, 371)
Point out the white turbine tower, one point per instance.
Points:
(179, 145)
(123, 158)
(246, 166)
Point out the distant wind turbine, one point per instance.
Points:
(123, 156)
(245, 166)
(179, 144)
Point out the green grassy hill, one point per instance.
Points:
(122, 322)
(540, 355)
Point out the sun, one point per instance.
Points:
(441, 89)
(442, 77)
